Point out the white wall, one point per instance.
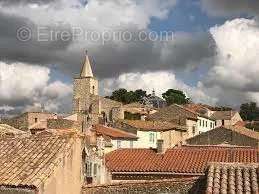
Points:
(205, 124)
(144, 139)
(117, 143)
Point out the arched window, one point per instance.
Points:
(93, 89)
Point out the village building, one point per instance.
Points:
(114, 138)
(41, 164)
(154, 101)
(226, 118)
(154, 134)
(9, 131)
(204, 165)
(29, 120)
(231, 135)
(178, 115)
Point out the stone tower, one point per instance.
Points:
(85, 88)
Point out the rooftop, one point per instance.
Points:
(113, 133)
(232, 178)
(29, 161)
(223, 115)
(153, 125)
(182, 160)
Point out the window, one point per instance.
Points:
(89, 169)
(118, 143)
(223, 122)
(36, 120)
(95, 169)
(200, 122)
(93, 89)
(151, 137)
(131, 144)
(206, 123)
(211, 125)
(193, 130)
(203, 123)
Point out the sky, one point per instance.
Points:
(207, 48)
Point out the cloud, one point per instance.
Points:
(234, 78)
(230, 7)
(183, 51)
(25, 86)
(160, 81)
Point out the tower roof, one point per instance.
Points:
(86, 69)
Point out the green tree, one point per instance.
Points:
(175, 97)
(249, 111)
(127, 97)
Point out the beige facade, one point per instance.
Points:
(67, 177)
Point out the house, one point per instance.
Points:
(178, 115)
(126, 165)
(29, 120)
(226, 118)
(232, 135)
(114, 138)
(46, 164)
(154, 134)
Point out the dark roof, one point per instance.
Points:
(183, 160)
(223, 115)
(232, 178)
(153, 125)
(175, 113)
(31, 160)
(113, 133)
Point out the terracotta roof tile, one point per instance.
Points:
(113, 132)
(30, 160)
(220, 115)
(190, 160)
(232, 178)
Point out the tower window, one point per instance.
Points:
(93, 89)
(36, 120)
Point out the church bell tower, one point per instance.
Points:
(85, 87)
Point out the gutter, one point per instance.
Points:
(159, 173)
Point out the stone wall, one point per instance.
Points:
(63, 124)
(194, 186)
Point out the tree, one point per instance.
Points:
(127, 97)
(249, 111)
(175, 97)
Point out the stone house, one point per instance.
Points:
(179, 115)
(29, 120)
(226, 118)
(232, 135)
(154, 134)
(46, 164)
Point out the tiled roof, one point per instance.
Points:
(174, 113)
(223, 115)
(152, 125)
(187, 160)
(233, 178)
(199, 108)
(9, 130)
(244, 131)
(113, 132)
(30, 161)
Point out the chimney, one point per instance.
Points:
(160, 146)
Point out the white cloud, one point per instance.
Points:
(160, 81)
(234, 78)
(24, 86)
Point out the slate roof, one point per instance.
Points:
(31, 160)
(174, 113)
(113, 133)
(182, 160)
(223, 115)
(232, 178)
(153, 125)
